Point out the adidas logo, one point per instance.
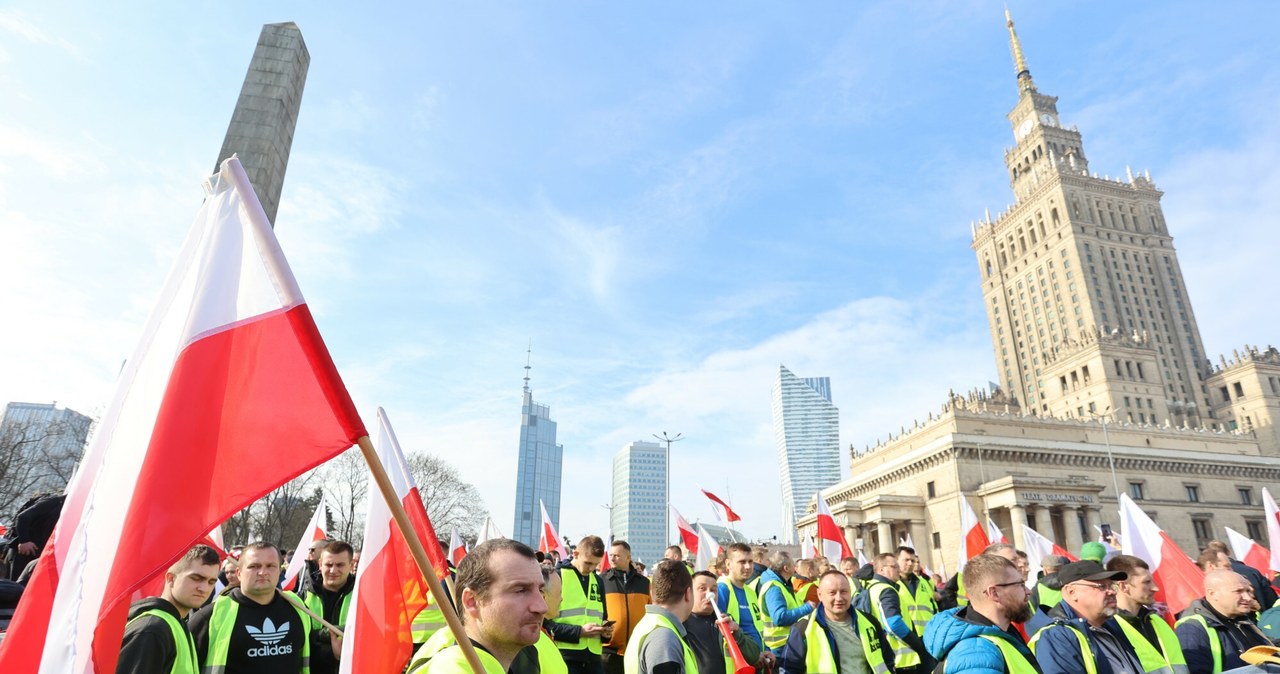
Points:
(269, 635)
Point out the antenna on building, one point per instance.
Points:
(1019, 62)
(528, 358)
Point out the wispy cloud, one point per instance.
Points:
(18, 23)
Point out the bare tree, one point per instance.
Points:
(36, 457)
(346, 483)
(449, 500)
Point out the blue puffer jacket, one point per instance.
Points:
(955, 642)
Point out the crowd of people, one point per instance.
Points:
(754, 611)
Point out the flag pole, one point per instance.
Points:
(419, 552)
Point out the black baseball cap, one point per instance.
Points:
(1087, 569)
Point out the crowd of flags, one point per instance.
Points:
(230, 338)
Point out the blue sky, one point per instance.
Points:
(668, 201)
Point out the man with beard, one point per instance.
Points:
(1216, 629)
(1151, 637)
(1084, 627)
(980, 637)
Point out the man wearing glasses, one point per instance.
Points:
(1084, 635)
(980, 637)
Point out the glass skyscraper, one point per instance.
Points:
(806, 429)
(639, 513)
(538, 471)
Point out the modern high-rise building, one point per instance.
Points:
(538, 471)
(262, 124)
(1106, 388)
(806, 430)
(47, 442)
(639, 511)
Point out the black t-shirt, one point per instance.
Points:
(265, 640)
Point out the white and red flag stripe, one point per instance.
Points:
(229, 393)
(973, 540)
(688, 535)
(994, 534)
(489, 532)
(807, 548)
(1273, 527)
(707, 550)
(457, 547)
(390, 588)
(315, 531)
(1248, 551)
(1179, 579)
(728, 515)
(1037, 548)
(830, 537)
(550, 539)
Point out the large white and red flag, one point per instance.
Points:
(457, 547)
(1179, 579)
(316, 530)
(688, 535)
(1037, 548)
(830, 537)
(994, 534)
(390, 588)
(1273, 527)
(807, 548)
(550, 539)
(707, 551)
(1248, 551)
(973, 540)
(728, 515)
(229, 393)
(489, 531)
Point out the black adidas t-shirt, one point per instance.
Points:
(265, 640)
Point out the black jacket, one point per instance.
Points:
(322, 658)
(1235, 635)
(148, 646)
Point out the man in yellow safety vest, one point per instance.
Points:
(657, 644)
(837, 638)
(1151, 637)
(156, 637)
(581, 627)
(980, 637)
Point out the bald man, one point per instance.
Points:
(1216, 629)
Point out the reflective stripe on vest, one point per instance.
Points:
(918, 608)
(184, 662)
(635, 645)
(819, 658)
(314, 602)
(775, 636)
(1215, 645)
(1150, 657)
(223, 621)
(580, 609)
(549, 659)
(428, 621)
(753, 605)
(1086, 653)
(1014, 661)
(903, 655)
(452, 661)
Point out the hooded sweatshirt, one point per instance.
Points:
(954, 637)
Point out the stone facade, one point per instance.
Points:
(1105, 386)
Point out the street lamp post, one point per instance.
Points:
(666, 531)
(1106, 440)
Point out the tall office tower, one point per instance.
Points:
(262, 124)
(1088, 309)
(538, 472)
(639, 512)
(49, 441)
(806, 429)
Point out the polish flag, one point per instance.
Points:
(1273, 527)
(489, 532)
(1248, 551)
(830, 537)
(315, 531)
(708, 548)
(212, 539)
(229, 394)
(604, 561)
(457, 548)
(862, 558)
(807, 548)
(688, 535)
(550, 540)
(973, 540)
(390, 588)
(728, 512)
(1179, 579)
(1039, 547)
(994, 534)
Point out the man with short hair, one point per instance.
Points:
(626, 593)
(582, 610)
(550, 661)
(909, 653)
(673, 552)
(915, 592)
(156, 638)
(837, 638)
(1084, 629)
(981, 637)
(1023, 564)
(1211, 559)
(1151, 637)
(1217, 628)
(704, 637)
(253, 628)
(331, 600)
(802, 581)
(1047, 592)
(499, 594)
(735, 598)
(658, 643)
(1262, 590)
(780, 608)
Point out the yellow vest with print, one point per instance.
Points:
(819, 658)
(903, 655)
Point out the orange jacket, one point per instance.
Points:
(625, 596)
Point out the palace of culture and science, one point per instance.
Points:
(1105, 384)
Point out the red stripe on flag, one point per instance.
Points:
(385, 641)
